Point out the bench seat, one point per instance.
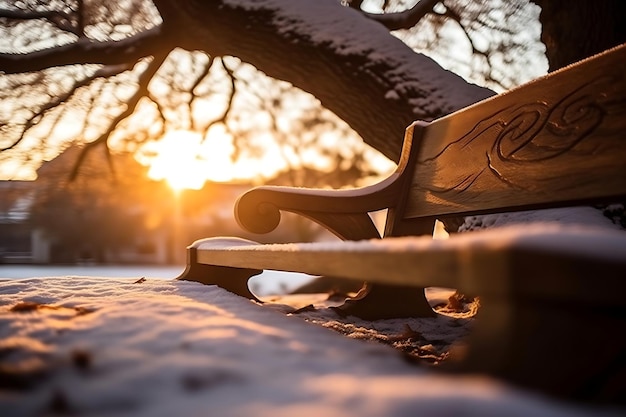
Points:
(477, 263)
(549, 293)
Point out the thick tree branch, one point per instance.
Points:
(359, 71)
(86, 51)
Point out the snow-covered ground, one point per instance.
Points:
(117, 347)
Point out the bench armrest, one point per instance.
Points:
(343, 212)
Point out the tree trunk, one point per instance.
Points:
(576, 29)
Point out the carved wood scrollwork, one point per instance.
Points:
(545, 139)
(537, 132)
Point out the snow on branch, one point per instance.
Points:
(405, 19)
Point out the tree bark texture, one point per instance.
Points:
(576, 29)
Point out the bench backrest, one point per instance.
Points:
(558, 140)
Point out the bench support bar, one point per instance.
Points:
(231, 279)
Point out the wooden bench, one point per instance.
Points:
(552, 297)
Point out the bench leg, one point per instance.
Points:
(234, 280)
(558, 330)
(375, 302)
(568, 352)
(380, 301)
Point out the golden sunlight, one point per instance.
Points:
(185, 160)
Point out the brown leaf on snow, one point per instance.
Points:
(24, 374)
(28, 306)
(408, 333)
(81, 311)
(336, 295)
(306, 308)
(25, 306)
(59, 403)
(81, 358)
(203, 380)
(457, 302)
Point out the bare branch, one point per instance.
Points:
(131, 105)
(86, 51)
(203, 74)
(231, 96)
(60, 19)
(233, 91)
(454, 16)
(80, 23)
(62, 98)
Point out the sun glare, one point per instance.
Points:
(184, 160)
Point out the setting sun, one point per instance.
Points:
(185, 160)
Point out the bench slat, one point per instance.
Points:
(477, 263)
(559, 139)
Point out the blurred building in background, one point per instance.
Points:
(112, 213)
